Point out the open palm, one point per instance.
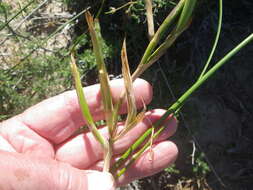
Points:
(36, 151)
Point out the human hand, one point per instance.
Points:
(37, 153)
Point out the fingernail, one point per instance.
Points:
(100, 180)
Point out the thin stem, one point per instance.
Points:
(178, 104)
(100, 9)
(216, 40)
(114, 10)
(161, 31)
(129, 151)
(18, 13)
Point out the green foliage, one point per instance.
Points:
(201, 168)
(138, 12)
(172, 169)
(86, 58)
(32, 81)
(4, 8)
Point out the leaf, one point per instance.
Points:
(160, 33)
(83, 103)
(131, 119)
(185, 15)
(79, 90)
(131, 107)
(96, 38)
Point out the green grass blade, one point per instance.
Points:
(185, 15)
(129, 151)
(83, 103)
(162, 30)
(216, 40)
(79, 90)
(177, 105)
(96, 38)
(100, 9)
(160, 33)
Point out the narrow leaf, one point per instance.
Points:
(79, 90)
(160, 33)
(131, 107)
(96, 37)
(186, 14)
(83, 103)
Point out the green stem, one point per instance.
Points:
(100, 9)
(216, 40)
(161, 31)
(178, 104)
(129, 151)
(138, 154)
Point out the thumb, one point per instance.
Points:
(23, 172)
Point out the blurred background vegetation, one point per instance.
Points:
(215, 135)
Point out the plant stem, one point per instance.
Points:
(161, 31)
(100, 9)
(178, 104)
(216, 40)
(138, 154)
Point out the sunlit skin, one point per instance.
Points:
(37, 153)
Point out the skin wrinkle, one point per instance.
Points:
(24, 140)
(68, 177)
(6, 139)
(5, 145)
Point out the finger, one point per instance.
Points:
(17, 137)
(23, 173)
(84, 151)
(58, 117)
(164, 154)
